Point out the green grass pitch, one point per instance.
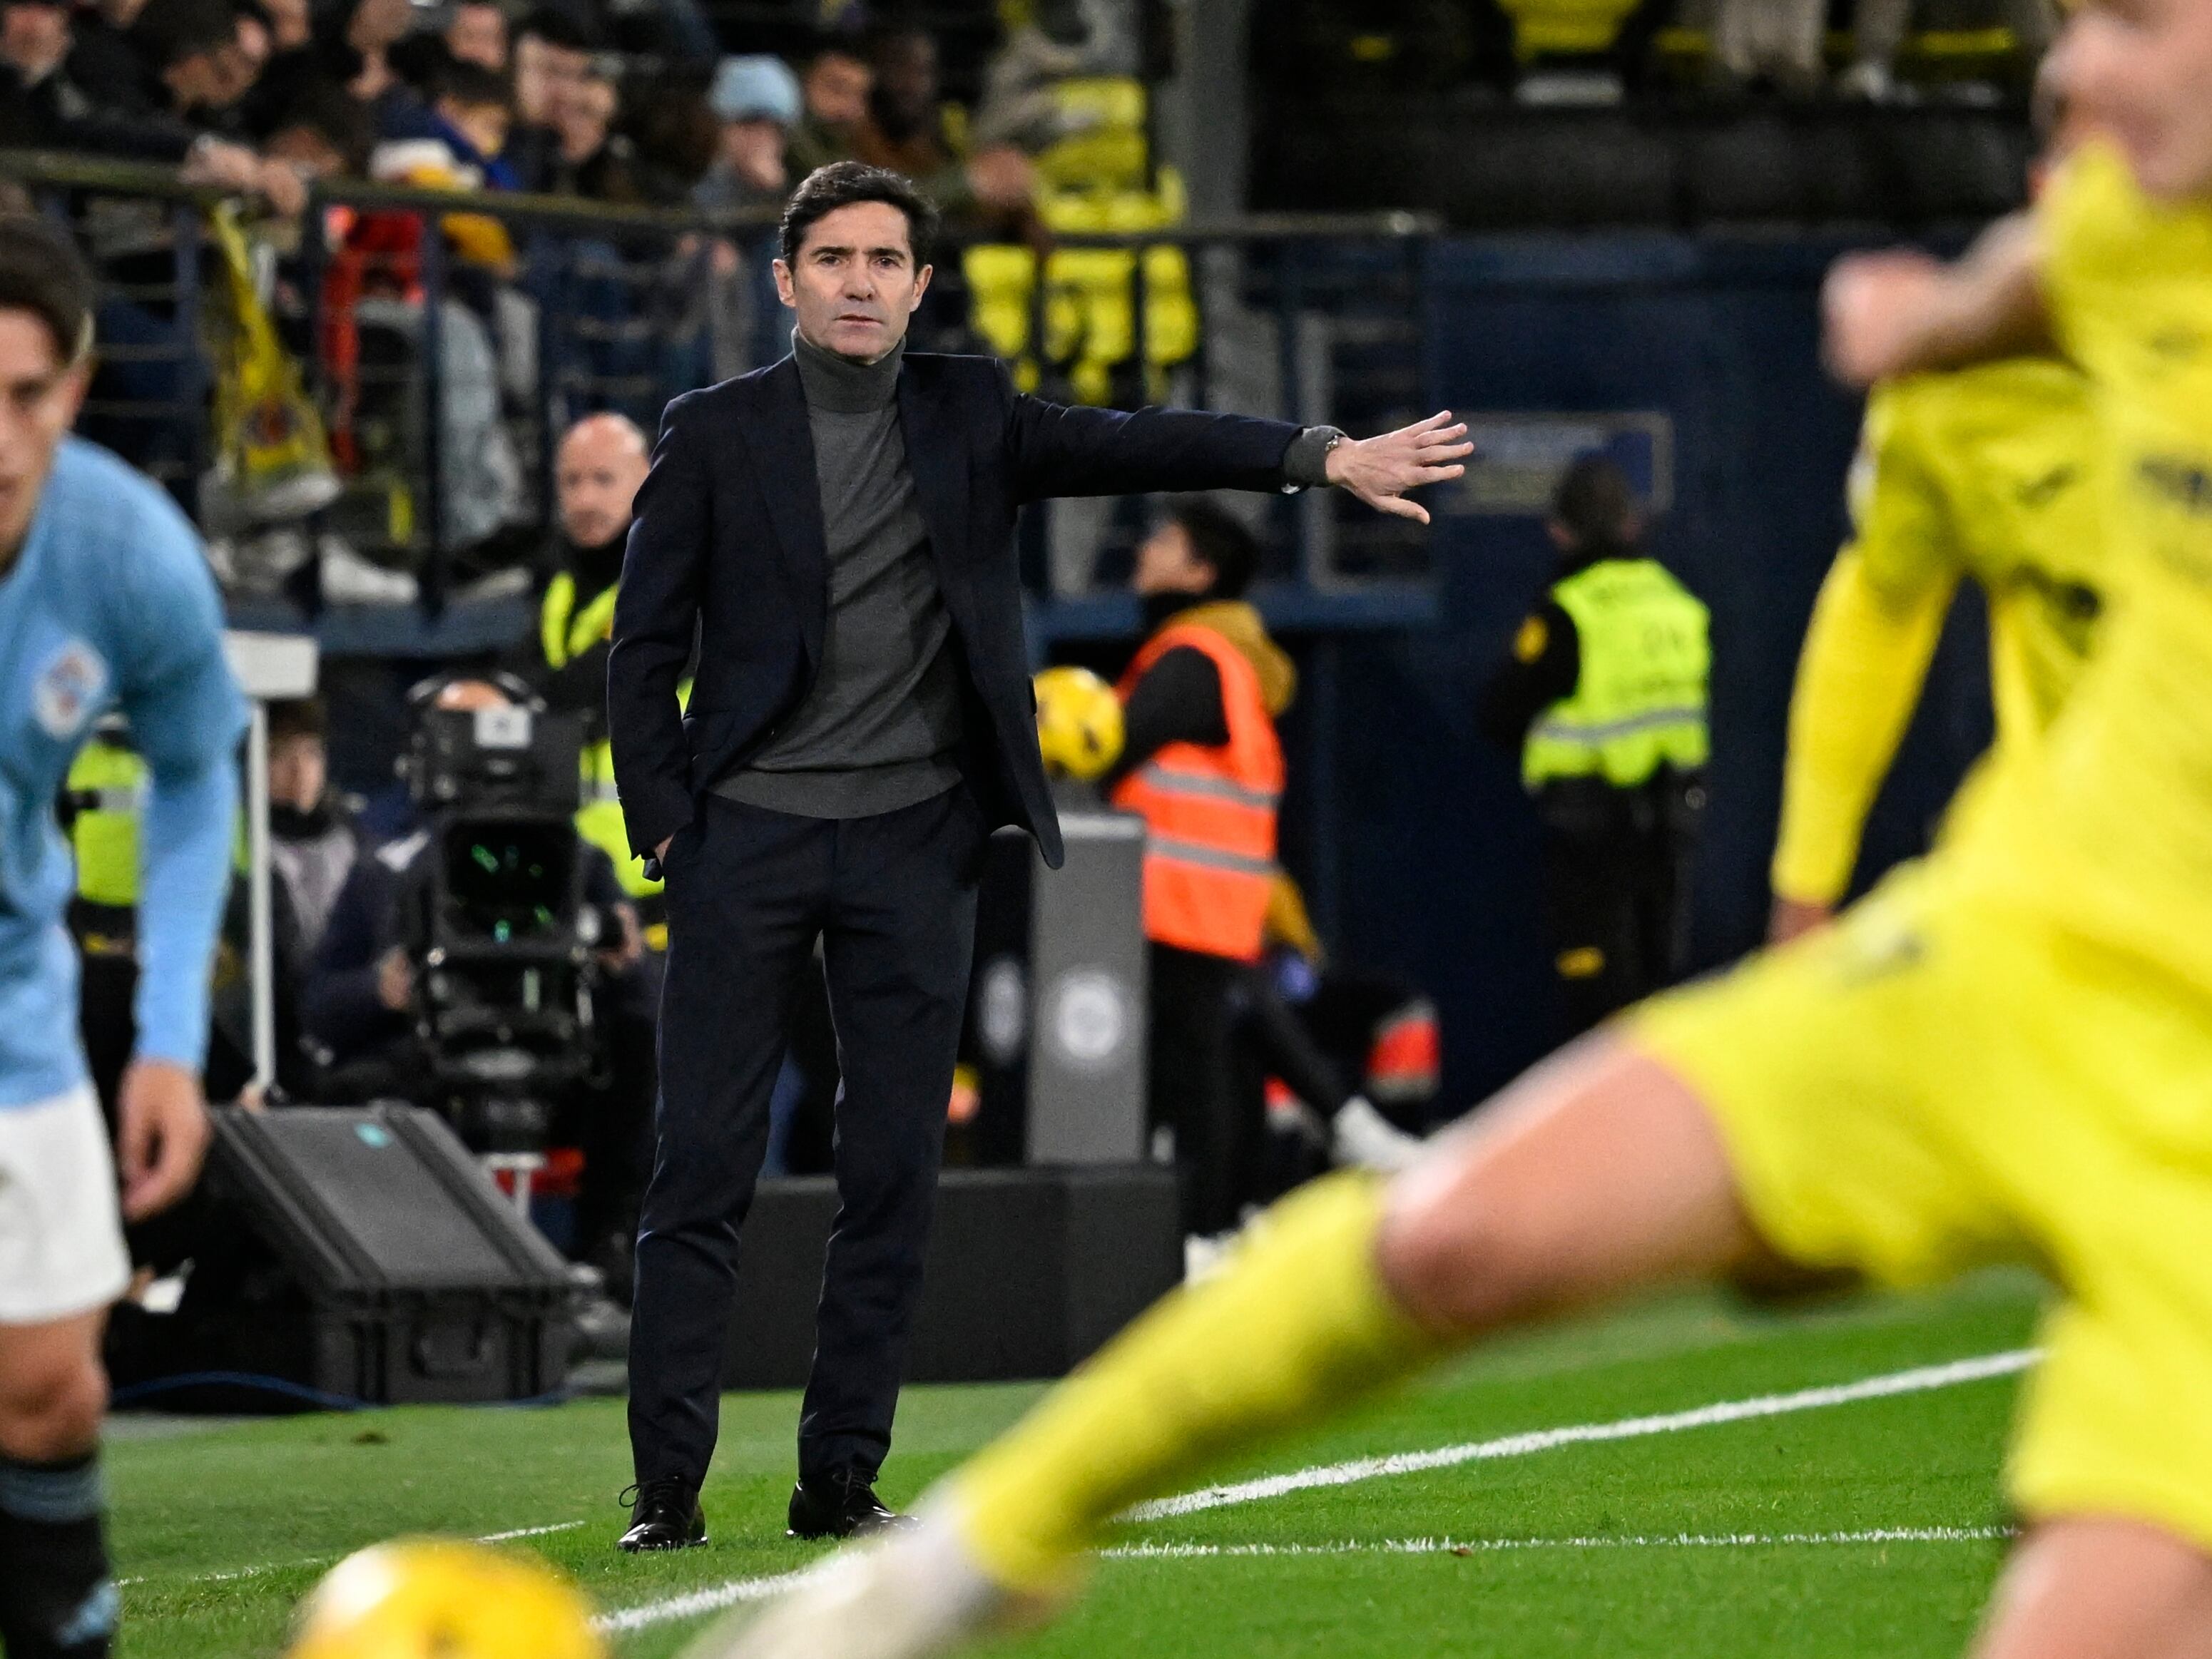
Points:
(218, 1532)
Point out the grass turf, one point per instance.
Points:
(217, 1534)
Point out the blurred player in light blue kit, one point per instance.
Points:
(105, 602)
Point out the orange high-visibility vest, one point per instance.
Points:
(1209, 811)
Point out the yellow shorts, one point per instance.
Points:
(1943, 1080)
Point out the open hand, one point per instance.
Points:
(163, 1135)
(1873, 306)
(1382, 468)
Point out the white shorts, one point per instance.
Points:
(60, 1236)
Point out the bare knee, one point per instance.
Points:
(2101, 1586)
(1599, 1172)
(51, 1410)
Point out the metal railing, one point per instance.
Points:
(450, 337)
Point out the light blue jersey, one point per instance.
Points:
(111, 605)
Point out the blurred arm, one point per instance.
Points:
(1873, 633)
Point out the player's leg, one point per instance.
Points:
(2102, 1589)
(55, 1596)
(1599, 1172)
(62, 1263)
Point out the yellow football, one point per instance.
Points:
(429, 1598)
(1079, 722)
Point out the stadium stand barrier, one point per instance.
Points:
(444, 367)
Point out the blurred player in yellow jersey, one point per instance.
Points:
(2005, 1053)
(1984, 474)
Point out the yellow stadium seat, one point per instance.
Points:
(1544, 27)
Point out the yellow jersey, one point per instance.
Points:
(2108, 829)
(1982, 474)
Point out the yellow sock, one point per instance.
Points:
(1298, 1323)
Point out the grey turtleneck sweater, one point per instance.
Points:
(881, 726)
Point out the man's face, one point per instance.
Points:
(299, 767)
(477, 34)
(854, 284)
(836, 89)
(596, 475)
(2141, 72)
(33, 38)
(377, 24)
(38, 397)
(1168, 563)
(544, 76)
(201, 79)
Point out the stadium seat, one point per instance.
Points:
(1545, 28)
(1093, 181)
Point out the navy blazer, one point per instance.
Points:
(729, 542)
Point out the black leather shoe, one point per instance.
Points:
(840, 1504)
(664, 1516)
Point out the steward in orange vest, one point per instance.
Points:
(1202, 762)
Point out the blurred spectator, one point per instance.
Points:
(34, 39)
(1879, 27)
(168, 120)
(552, 56)
(756, 101)
(321, 134)
(904, 131)
(835, 90)
(475, 33)
(590, 159)
(312, 839)
(1774, 40)
(107, 63)
(473, 109)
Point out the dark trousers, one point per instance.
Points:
(1617, 887)
(1205, 1085)
(892, 898)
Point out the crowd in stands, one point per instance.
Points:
(631, 107)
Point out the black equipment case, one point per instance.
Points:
(361, 1252)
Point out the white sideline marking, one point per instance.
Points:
(529, 1531)
(717, 1598)
(714, 1598)
(316, 1560)
(1489, 1546)
(1917, 1381)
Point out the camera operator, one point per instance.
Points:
(363, 992)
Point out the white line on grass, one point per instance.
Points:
(259, 1568)
(714, 1598)
(717, 1598)
(1919, 1380)
(1489, 1546)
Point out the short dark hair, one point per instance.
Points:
(298, 717)
(42, 272)
(1220, 542)
(469, 84)
(169, 30)
(841, 183)
(557, 27)
(1596, 506)
(334, 115)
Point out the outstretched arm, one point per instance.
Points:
(1057, 449)
(1865, 659)
(1902, 313)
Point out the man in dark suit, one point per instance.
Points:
(837, 532)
